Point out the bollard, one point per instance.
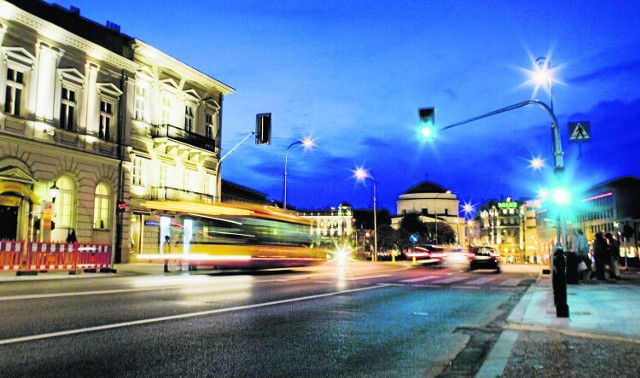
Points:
(559, 283)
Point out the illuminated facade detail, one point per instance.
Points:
(434, 203)
(333, 224)
(507, 225)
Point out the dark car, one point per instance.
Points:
(484, 257)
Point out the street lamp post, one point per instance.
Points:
(307, 142)
(362, 174)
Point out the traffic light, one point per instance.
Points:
(426, 124)
(263, 128)
(561, 196)
(121, 206)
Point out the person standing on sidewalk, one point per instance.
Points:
(601, 255)
(582, 249)
(614, 253)
(166, 249)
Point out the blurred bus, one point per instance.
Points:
(231, 236)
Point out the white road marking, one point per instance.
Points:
(419, 279)
(181, 316)
(450, 280)
(481, 281)
(511, 282)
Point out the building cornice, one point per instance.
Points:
(56, 33)
(147, 54)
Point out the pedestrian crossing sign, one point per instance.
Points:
(579, 131)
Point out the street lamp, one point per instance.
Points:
(544, 75)
(306, 143)
(54, 191)
(362, 174)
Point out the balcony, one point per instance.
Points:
(174, 137)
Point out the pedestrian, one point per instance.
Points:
(582, 251)
(614, 254)
(166, 249)
(71, 237)
(601, 255)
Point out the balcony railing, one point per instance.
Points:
(180, 135)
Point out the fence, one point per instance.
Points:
(33, 257)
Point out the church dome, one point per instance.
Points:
(426, 187)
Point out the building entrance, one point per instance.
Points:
(8, 222)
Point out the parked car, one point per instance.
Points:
(427, 253)
(484, 257)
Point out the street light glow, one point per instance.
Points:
(536, 163)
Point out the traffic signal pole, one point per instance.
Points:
(557, 259)
(218, 166)
(557, 145)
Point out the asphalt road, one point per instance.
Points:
(357, 319)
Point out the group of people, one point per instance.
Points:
(606, 251)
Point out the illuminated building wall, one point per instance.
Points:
(613, 206)
(103, 116)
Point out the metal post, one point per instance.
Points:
(375, 222)
(218, 197)
(286, 157)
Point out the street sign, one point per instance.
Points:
(414, 238)
(579, 131)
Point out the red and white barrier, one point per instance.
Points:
(50, 256)
(11, 254)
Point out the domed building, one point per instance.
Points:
(434, 203)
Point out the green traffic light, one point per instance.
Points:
(426, 124)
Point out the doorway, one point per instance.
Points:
(8, 222)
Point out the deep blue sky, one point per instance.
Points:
(352, 75)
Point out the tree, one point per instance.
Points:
(387, 238)
(429, 232)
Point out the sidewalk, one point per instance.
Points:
(120, 270)
(603, 323)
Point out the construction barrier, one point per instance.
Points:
(44, 257)
(11, 254)
(93, 256)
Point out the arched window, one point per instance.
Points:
(101, 207)
(65, 203)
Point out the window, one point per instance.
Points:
(188, 118)
(65, 203)
(13, 95)
(166, 110)
(106, 119)
(101, 207)
(208, 126)
(140, 106)
(162, 176)
(137, 175)
(67, 108)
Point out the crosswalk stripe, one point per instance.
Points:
(481, 281)
(511, 282)
(419, 279)
(450, 280)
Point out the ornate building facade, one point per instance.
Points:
(91, 118)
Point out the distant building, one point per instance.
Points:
(434, 204)
(612, 206)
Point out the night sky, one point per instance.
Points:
(353, 74)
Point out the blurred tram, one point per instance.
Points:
(234, 236)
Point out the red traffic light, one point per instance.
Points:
(121, 206)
